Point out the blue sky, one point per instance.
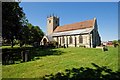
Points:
(68, 0)
(70, 12)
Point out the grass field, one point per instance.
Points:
(68, 59)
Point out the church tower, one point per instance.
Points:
(52, 23)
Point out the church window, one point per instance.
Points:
(63, 39)
(70, 40)
(80, 39)
(60, 40)
(57, 39)
(49, 21)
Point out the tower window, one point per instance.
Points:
(49, 21)
(56, 22)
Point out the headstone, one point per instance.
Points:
(24, 55)
(105, 48)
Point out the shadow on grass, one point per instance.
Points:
(99, 73)
(18, 55)
(39, 52)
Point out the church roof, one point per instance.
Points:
(76, 26)
(73, 32)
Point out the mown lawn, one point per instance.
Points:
(68, 59)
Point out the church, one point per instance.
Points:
(84, 33)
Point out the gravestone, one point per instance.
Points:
(25, 56)
(105, 48)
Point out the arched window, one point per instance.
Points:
(80, 39)
(70, 40)
(57, 39)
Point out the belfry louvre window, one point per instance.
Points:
(70, 40)
(56, 22)
(80, 39)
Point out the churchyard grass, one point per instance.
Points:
(68, 59)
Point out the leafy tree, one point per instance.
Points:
(24, 36)
(37, 34)
(31, 34)
(16, 26)
(12, 21)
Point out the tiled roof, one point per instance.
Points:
(75, 26)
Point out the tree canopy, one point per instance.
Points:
(15, 25)
(31, 34)
(11, 20)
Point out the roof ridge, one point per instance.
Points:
(79, 22)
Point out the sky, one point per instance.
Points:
(71, 12)
(68, 0)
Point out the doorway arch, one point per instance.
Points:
(44, 41)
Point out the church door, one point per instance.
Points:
(44, 41)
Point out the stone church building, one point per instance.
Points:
(77, 34)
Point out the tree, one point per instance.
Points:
(30, 34)
(37, 34)
(24, 36)
(16, 26)
(12, 21)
